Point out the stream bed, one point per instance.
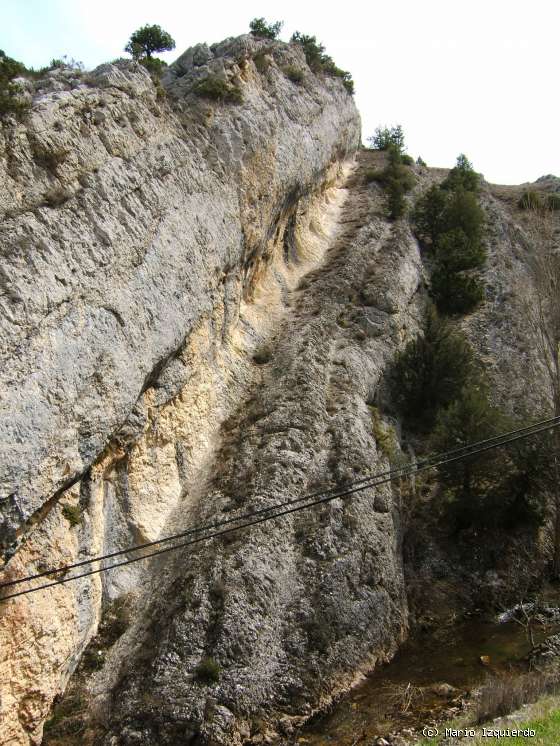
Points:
(430, 677)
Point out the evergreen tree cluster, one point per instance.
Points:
(396, 178)
(442, 395)
(263, 30)
(10, 93)
(449, 221)
(388, 137)
(319, 61)
(501, 488)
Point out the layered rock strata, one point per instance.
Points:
(137, 227)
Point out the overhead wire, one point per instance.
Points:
(287, 507)
(234, 519)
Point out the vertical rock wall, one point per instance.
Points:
(293, 610)
(144, 258)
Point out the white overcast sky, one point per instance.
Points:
(479, 77)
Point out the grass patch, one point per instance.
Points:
(553, 201)
(67, 720)
(530, 200)
(49, 158)
(293, 73)
(373, 174)
(263, 355)
(216, 89)
(501, 696)
(383, 433)
(208, 671)
(92, 660)
(56, 196)
(542, 717)
(262, 62)
(533, 200)
(546, 727)
(73, 514)
(116, 620)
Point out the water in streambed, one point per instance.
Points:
(405, 693)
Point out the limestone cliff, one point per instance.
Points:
(199, 303)
(124, 222)
(137, 227)
(294, 610)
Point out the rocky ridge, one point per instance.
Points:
(294, 610)
(200, 302)
(136, 228)
(159, 213)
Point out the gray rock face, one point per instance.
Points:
(123, 219)
(194, 322)
(292, 610)
(550, 182)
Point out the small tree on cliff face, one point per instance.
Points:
(431, 371)
(498, 488)
(263, 30)
(147, 40)
(385, 138)
(542, 307)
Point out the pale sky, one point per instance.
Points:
(479, 77)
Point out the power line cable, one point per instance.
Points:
(205, 527)
(400, 472)
(234, 519)
(290, 506)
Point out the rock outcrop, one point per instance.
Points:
(139, 230)
(124, 222)
(199, 302)
(293, 610)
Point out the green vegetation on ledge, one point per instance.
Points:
(12, 100)
(449, 222)
(208, 671)
(263, 30)
(397, 179)
(217, 89)
(319, 62)
(73, 514)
